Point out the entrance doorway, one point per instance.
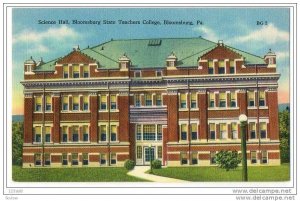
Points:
(149, 154)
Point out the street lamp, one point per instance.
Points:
(150, 152)
(243, 121)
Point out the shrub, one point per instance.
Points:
(129, 164)
(156, 164)
(228, 159)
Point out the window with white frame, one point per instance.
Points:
(212, 131)
(103, 133)
(159, 132)
(222, 99)
(37, 134)
(137, 74)
(74, 157)
(85, 71)
(262, 98)
(159, 152)
(113, 133)
(137, 100)
(139, 132)
(234, 131)
(193, 100)
(47, 159)
(113, 158)
(47, 134)
(210, 67)
(223, 131)
(85, 103)
(76, 71)
(64, 159)
(65, 103)
(158, 73)
(194, 158)
(252, 129)
(85, 130)
(38, 104)
(64, 133)
(48, 103)
(194, 134)
(158, 100)
(232, 99)
(66, 71)
(212, 157)
(253, 157)
(182, 100)
(103, 159)
(211, 97)
(85, 159)
(38, 159)
(75, 104)
(263, 130)
(184, 158)
(231, 67)
(103, 102)
(149, 132)
(113, 102)
(148, 99)
(139, 152)
(221, 67)
(264, 157)
(183, 132)
(75, 133)
(251, 99)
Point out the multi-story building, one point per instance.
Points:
(176, 99)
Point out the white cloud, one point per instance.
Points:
(207, 33)
(282, 55)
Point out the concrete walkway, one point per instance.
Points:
(139, 171)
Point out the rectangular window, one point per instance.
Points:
(212, 131)
(148, 99)
(158, 73)
(194, 131)
(211, 99)
(232, 99)
(183, 132)
(194, 158)
(231, 68)
(149, 132)
(184, 159)
(222, 99)
(85, 71)
(234, 132)
(137, 100)
(158, 100)
(85, 130)
(139, 132)
(182, 100)
(85, 103)
(47, 134)
(221, 67)
(212, 157)
(75, 135)
(113, 158)
(65, 103)
(37, 159)
(76, 71)
(37, 134)
(85, 159)
(262, 98)
(47, 159)
(159, 152)
(38, 103)
(64, 134)
(75, 103)
(48, 104)
(264, 157)
(139, 152)
(263, 130)
(252, 130)
(103, 133)
(223, 131)
(210, 67)
(253, 157)
(251, 99)
(194, 100)
(113, 133)
(102, 159)
(137, 74)
(66, 71)
(74, 158)
(159, 132)
(113, 102)
(103, 102)
(64, 159)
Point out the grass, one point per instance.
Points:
(259, 173)
(88, 174)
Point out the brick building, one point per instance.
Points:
(177, 100)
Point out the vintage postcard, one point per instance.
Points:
(169, 99)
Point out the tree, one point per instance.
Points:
(17, 142)
(228, 159)
(284, 127)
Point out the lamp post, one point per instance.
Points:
(150, 152)
(243, 121)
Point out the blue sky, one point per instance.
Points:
(235, 26)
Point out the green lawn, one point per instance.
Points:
(262, 173)
(88, 174)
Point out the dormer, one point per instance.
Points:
(270, 59)
(29, 66)
(124, 62)
(171, 61)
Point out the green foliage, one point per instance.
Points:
(129, 164)
(156, 164)
(284, 127)
(17, 142)
(228, 159)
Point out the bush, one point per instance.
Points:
(129, 164)
(228, 159)
(156, 164)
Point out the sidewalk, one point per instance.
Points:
(139, 171)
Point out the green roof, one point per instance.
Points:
(152, 53)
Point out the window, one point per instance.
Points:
(47, 159)
(64, 159)
(38, 103)
(212, 132)
(158, 100)
(75, 103)
(103, 102)
(252, 130)
(75, 133)
(221, 67)
(263, 130)
(253, 157)
(66, 71)
(210, 67)
(113, 158)
(85, 71)
(74, 158)
(113, 102)
(194, 158)
(65, 106)
(194, 100)
(102, 159)
(159, 152)
(139, 132)
(159, 132)
(48, 104)
(261, 98)
(183, 157)
(37, 159)
(85, 130)
(158, 73)
(182, 100)
(223, 131)
(64, 134)
(170, 63)
(251, 98)
(37, 134)
(148, 99)
(194, 131)
(76, 71)
(183, 132)
(212, 157)
(264, 157)
(231, 67)
(113, 133)
(137, 100)
(222, 99)
(234, 132)
(137, 74)
(149, 132)
(232, 99)
(85, 159)
(103, 133)
(47, 134)
(139, 152)
(211, 99)
(85, 103)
